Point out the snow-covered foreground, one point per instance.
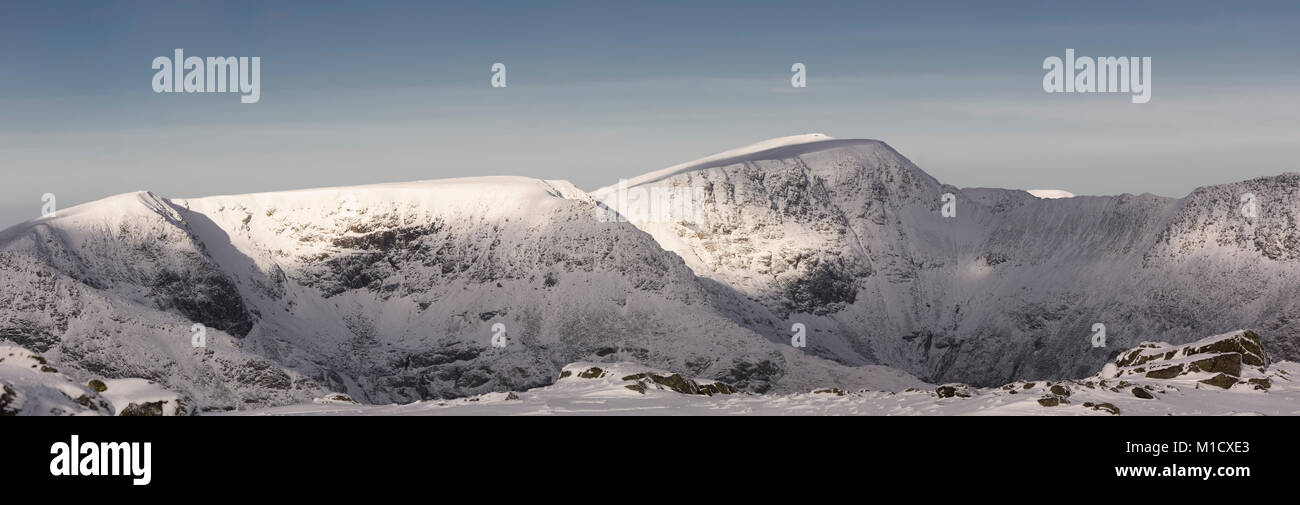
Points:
(1227, 374)
(1218, 375)
(30, 386)
(610, 396)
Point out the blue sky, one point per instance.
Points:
(367, 92)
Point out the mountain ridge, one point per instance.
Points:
(388, 291)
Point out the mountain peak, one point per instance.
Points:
(776, 148)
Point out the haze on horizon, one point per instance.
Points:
(356, 94)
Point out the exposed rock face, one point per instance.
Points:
(391, 293)
(645, 381)
(847, 237)
(1153, 369)
(1228, 351)
(1222, 361)
(1220, 380)
(156, 262)
(953, 391)
(1105, 407)
(97, 334)
(147, 409)
(679, 384)
(1051, 401)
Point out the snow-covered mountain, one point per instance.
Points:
(850, 238)
(389, 293)
(393, 292)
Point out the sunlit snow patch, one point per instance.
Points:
(1050, 194)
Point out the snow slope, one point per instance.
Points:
(29, 386)
(848, 239)
(393, 293)
(1049, 194)
(140, 397)
(388, 293)
(768, 149)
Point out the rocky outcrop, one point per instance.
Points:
(390, 293)
(648, 380)
(1222, 361)
(30, 387)
(954, 390)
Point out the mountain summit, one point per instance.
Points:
(447, 288)
(847, 237)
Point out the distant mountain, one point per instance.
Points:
(391, 292)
